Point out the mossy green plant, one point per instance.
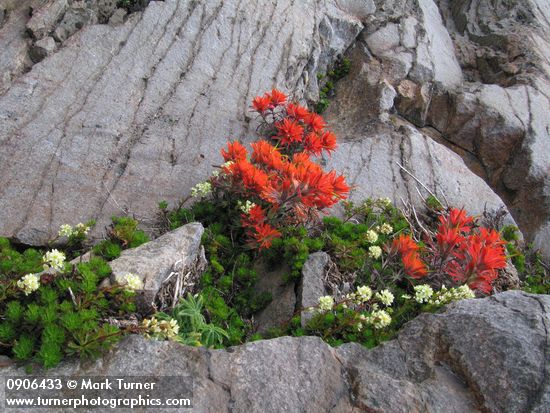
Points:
(48, 316)
(123, 233)
(327, 81)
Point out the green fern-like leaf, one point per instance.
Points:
(213, 335)
(189, 312)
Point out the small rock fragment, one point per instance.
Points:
(44, 18)
(42, 48)
(118, 17)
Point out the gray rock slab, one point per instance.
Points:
(312, 283)
(283, 304)
(485, 355)
(135, 114)
(154, 261)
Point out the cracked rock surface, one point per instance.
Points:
(123, 115)
(489, 355)
(135, 113)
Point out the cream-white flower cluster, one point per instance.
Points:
(362, 295)
(385, 201)
(385, 297)
(425, 294)
(375, 252)
(222, 170)
(445, 296)
(80, 228)
(66, 230)
(160, 330)
(132, 282)
(245, 206)
(202, 189)
(378, 319)
(29, 283)
(326, 303)
(54, 259)
(385, 228)
(371, 236)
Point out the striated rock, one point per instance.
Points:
(155, 260)
(485, 355)
(127, 116)
(370, 153)
(435, 58)
(312, 283)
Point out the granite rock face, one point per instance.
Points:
(136, 113)
(502, 366)
(127, 114)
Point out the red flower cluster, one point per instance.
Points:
(295, 129)
(286, 186)
(260, 231)
(468, 255)
(414, 266)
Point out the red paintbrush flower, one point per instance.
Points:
(261, 103)
(289, 131)
(341, 189)
(267, 155)
(296, 111)
(328, 140)
(414, 266)
(313, 144)
(264, 234)
(235, 152)
(255, 216)
(277, 97)
(447, 240)
(315, 121)
(404, 244)
(457, 219)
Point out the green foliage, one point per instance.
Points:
(534, 272)
(124, 233)
(294, 247)
(64, 316)
(108, 249)
(125, 230)
(227, 286)
(13, 262)
(433, 203)
(340, 70)
(193, 327)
